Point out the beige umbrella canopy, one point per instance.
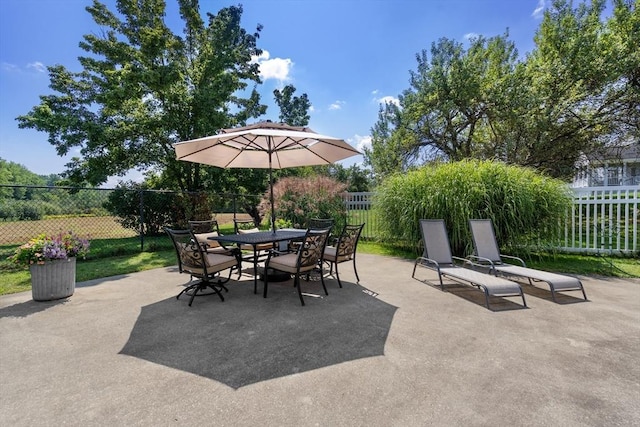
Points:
(265, 145)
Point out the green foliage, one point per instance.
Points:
(45, 248)
(160, 207)
(142, 88)
(125, 203)
(299, 199)
(578, 90)
(523, 204)
(294, 110)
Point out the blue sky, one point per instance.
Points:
(347, 55)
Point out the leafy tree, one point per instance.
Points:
(455, 95)
(577, 91)
(584, 81)
(294, 110)
(143, 88)
(356, 178)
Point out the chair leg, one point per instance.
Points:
(355, 270)
(193, 295)
(266, 283)
(338, 275)
(322, 281)
(296, 282)
(216, 290)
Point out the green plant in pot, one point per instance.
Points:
(52, 263)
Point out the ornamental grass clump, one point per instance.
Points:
(524, 205)
(45, 248)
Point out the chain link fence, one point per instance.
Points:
(27, 211)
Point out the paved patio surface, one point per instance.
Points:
(124, 351)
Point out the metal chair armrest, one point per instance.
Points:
(514, 258)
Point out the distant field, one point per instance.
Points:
(97, 227)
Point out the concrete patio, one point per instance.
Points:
(124, 351)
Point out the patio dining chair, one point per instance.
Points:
(344, 250)
(437, 256)
(202, 230)
(308, 257)
(487, 252)
(194, 260)
(320, 223)
(242, 226)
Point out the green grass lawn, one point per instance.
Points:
(111, 257)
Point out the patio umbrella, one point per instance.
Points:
(265, 145)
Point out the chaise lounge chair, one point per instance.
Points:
(437, 256)
(488, 252)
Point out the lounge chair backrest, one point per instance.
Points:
(436, 241)
(484, 239)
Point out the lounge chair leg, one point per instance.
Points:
(583, 292)
(523, 300)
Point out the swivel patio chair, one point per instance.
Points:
(308, 257)
(487, 252)
(206, 267)
(344, 250)
(437, 256)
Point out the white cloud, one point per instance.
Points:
(337, 105)
(311, 108)
(470, 36)
(9, 67)
(38, 66)
(276, 68)
(360, 142)
(539, 10)
(388, 100)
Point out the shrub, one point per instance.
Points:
(523, 204)
(159, 208)
(298, 199)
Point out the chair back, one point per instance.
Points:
(190, 254)
(484, 239)
(320, 223)
(208, 226)
(311, 251)
(436, 241)
(348, 241)
(244, 225)
(202, 230)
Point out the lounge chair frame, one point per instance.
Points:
(487, 253)
(437, 256)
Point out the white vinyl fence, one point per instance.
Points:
(602, 219)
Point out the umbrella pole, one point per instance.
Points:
(273, 209)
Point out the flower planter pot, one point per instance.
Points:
(53, 280)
